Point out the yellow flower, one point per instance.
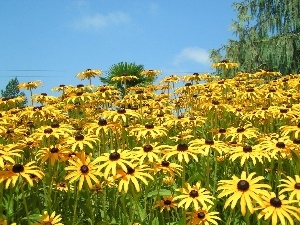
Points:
(167, 167)
(183, 152)
(148, 131)
(30, 85)
(80, 140)
(83, 169)
(49, 220)
(121, 114)
(132, 175)
(54, 153)
(225, 64)
(245, 188)
(204, 146)
(88, 74)
(292, 186)
(111, 161)
(148, 151)
(7, 152)
(203, 217)
(248, 152)
(278, 208)
(195, 195)
(18, 170)
(151, 73)
(124, 78)
(167, 203)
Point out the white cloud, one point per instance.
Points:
(99, 21)
(195, 54)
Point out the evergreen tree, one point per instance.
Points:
(268, 36)
(12, 90)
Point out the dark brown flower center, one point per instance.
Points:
(250, 90)
(182, 147)
(167, 202)
(201, 215)
(55, 125)
(276, 202)
(247, 148)
(149, 126)
(283, 110)
(148, 148)
(209, 142)
(240, 129)
(243, 185)
(29, 143)
(280, 145)
(194, 194)
(130, 170)
(296, 141)
(121, 111)
(84, 169)
(54, 150)
(114, 156)
(102, 122)
(165, 163)
(80, 85)
(62, 185)
(215, 102)
(48, 131)
(48, 223)
(32, 176)
(188, 84)
(18, 168)
(297, 186)
(79, 137)
(222, 130)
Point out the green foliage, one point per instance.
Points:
(267, 36)
(130, 69)
(12, 90)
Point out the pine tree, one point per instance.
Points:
(268, 36)
(12, 90)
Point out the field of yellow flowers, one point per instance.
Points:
(218, 149)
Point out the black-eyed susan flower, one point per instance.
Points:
(149, 131)
(63, 186)
(132, 175)
(246, 152)
(166, 203)
(120, 114)
(7, 153)
(148, 152)
(167, 167)
(294, 130)
(202, 216)
(88, 74)
(204, 146)
(54, 153)
(182, 151)
(291, 186)
(277, 208)
(13, 172)
(241, 133)
(246, 189)
(47, 219)
(81, 140)
(112, 161)
(194, 195)
(84, 169)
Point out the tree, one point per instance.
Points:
(123, 70)
(12, 90)
(267, 36)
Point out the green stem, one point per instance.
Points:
(75, 205)
(24, 202)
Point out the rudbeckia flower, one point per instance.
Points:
(83, 168)
(132, 175)
(18, 170)
(47, 219)
(80, 140)
(292, 186)
(149, 131)
(182, 150)
(277, 208)
(111, 161)
(167, 167)
(246, 189)
(195, 195)
(203, 217)
(167, 203)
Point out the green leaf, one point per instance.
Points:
(162, 192)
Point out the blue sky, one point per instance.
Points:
(58, 39)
